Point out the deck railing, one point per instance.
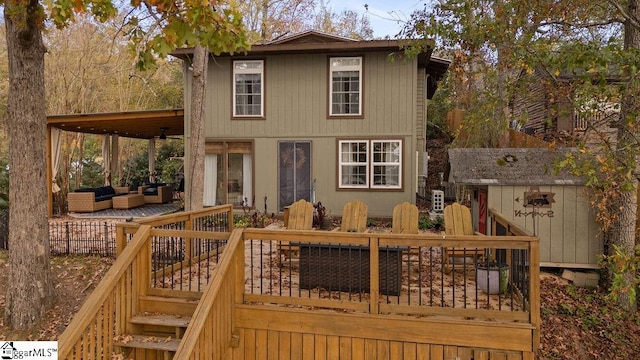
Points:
(177, 251)
(210, 333)
(130, 287)
(103, 316)
(251, 295)
(332, 270)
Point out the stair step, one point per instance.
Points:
(162, 320)
(148, 342)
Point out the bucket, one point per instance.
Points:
(492, 278)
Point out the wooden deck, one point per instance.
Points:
(252, 307)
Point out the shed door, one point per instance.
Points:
(294, 172)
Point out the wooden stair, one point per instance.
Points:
(156, 336)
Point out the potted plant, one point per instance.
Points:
(492, 277)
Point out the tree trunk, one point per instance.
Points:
(30, 288)
(194, 196)
(624, 234)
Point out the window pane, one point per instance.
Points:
(354, 175)
(336, 62)
(386, 175)
(345, 87)
(248, 88)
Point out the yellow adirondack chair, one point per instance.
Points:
(457, 221)
(354, 217)
(405, 219)
(299, 217)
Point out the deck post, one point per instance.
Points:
(374, 273)
(534, 292)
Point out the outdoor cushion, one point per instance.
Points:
(84, 190)
(150, 191)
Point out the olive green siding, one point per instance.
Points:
(568, 233)
(296, 98)
(296, 104)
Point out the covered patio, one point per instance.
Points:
(148, 124)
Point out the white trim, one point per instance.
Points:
(370, 164)
(210, 179)
(342, 163)
(337, 67)
(387, 164)
(257, 68)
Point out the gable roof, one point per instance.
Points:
(311, 37)
(509, 166)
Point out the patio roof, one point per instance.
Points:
(145, 124)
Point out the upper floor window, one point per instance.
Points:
(375, 164)
(248, 88)
(345, 75)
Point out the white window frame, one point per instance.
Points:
(248, 70)
(350, 162)
(397, 163)
(333, 67)
(370, 164)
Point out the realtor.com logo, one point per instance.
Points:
(28, 350)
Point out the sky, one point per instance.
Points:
(385, 16)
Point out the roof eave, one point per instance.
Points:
(331, 47)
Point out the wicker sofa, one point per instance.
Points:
(158, 193)
(93, 199)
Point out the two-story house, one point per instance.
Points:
(316, 117)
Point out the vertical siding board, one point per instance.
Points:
(396, 350)
(422, 352)
(542, 229)
(318, 97)
(250, 344)
(308, 346)
(370, 349)
(481, 354)
(450, 352)
(596, 246)
(569, 223)
(465, 353)
(345, 347)
(333, 347)
(296, 346)
(582, 233)
(497, 355)
(272, 345)
(284, 345)
(357, 349)
(383, 350)
(409, 351)
(261, 344)
(321, 347)
(437, 352)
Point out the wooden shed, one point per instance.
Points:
(520, 184)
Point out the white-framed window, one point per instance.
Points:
(374, 164)
(354, 164)
(248, 88)
(345, 90)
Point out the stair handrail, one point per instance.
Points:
(230, 269)
(188, 217)
(93, 305)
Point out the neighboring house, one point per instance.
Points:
(520, 184)
(316, 117)
(545, 108)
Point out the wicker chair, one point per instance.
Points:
(164, 194)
